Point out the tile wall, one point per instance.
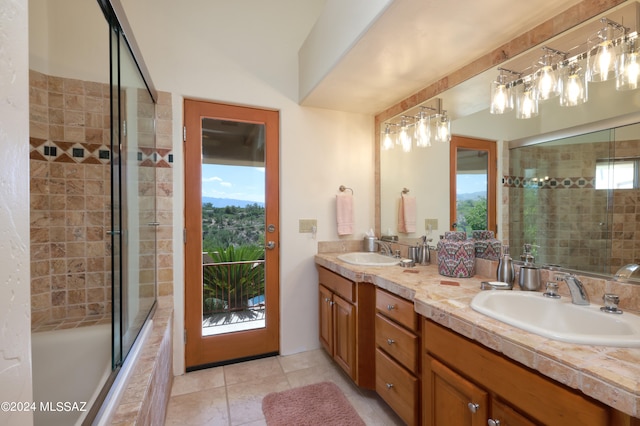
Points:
(70, 200)
(553, 203)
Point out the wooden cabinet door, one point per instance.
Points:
(507, 416)
(326, 319)
(450, 399)
(344, 332)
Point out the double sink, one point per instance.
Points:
(556, 319)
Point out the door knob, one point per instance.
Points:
(390, 341)
(389, 385)
(270, 245)
(492, 422)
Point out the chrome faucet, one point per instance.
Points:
(579, 294)
(623, 274)
(385, 248)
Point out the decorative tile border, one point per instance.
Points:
(91, 153)
(549, 182)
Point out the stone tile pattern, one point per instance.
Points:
(146, 394)
(70, 200)
(557, 208)
(607, 374)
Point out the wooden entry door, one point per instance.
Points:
(231, 251)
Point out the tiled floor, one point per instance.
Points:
(232, 395)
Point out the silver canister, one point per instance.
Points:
(369, 244)
(529, 278)
(412, 253)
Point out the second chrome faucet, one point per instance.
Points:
(579, 294)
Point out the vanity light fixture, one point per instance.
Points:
(610, 52)
(430, 124)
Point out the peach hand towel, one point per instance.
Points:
(344, 213)
(407, 214)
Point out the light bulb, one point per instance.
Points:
(387, 141)
(547, 83)
(527, 106)
(628, 66)
(602, 55)
(404, 140)
(574, 87)
(423, 133)
(443, 128)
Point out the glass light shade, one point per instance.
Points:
(628, 66)
(501, 99)
(602, 56)
(574, 86)
(404, 139)
(526, 101)
(423, 130)
(387, 139)
(442, 128)
(546, 80)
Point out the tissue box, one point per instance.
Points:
(456, 257)
(486, 245)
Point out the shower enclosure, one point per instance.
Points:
(93, 161)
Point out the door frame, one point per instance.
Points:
(199, 351)
(492, 170)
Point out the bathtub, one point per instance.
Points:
(70, 367)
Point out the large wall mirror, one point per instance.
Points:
(567, 178)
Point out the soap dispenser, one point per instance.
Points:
(505, 272)
(529, 273)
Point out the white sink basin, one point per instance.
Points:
(559, 319)
(368, 259)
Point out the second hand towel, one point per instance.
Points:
(344, 213)
(407, 214)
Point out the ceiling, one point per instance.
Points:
(414, 43)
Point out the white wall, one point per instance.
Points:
(246, 52)
(15, 309)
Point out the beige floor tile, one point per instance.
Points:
(204, 408)
(245, 399)
(198, 380)
(252, 370)
(304, 360)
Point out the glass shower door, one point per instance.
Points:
(134, 203)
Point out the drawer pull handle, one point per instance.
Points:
(391, 307)
(390, 341)
(492, 422)
(326, 299)
(389, 385)
(473, 407)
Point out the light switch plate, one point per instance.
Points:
(307, 225)
(432, 222)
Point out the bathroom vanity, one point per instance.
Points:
(444, 363)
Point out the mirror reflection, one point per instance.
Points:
(576, 214)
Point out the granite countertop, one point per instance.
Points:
(608, 374)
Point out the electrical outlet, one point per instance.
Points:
(307, 225)
(432, 222)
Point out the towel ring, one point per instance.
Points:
(343, 188)
(404, 191)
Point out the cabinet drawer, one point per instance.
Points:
(397, 308)
(397, 387)
(336, 283)
(401, 344)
